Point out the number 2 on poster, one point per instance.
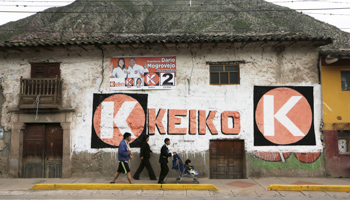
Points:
(167, 79)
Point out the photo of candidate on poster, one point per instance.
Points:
(139, 73)
(138, 82)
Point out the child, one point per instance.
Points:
(189, 167)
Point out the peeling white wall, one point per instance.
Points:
(81, 71)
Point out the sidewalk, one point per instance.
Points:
(221, 184)
(245, 188)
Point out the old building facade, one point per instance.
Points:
(335, 89)
(236, 105)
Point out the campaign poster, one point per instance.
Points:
(142, 73)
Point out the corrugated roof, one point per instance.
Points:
(166, 38)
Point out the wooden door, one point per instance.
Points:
(53, 151)
(42, 151)
(33, 151)
(235, 151)
(226, 159)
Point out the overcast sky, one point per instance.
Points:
(335, 12)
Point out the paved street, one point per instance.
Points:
(253, 188)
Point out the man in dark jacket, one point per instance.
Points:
(124, 154)
(163, 160)
(145, 155)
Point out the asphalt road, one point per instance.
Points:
(170, 195)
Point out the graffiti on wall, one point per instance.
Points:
(115, 114)
(279, 160)
(283, 116)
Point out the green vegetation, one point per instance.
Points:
(291, 163)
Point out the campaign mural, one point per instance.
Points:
(283, 116)
(146, 73)
(198, 122)
(277, 160)
(115, 114)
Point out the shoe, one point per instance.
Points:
(136, 178)
(112, 182)
(154, 179)
(161, 182)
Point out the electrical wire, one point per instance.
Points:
(307, 1)
(88, 1)
(172, 11)
(335, 14)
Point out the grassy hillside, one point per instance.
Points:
(95, 18)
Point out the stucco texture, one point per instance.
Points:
(86, 71)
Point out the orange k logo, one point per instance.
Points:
(116, 115)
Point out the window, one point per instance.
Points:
(344, 142)
(224, 74)
(345, 80)
(45, 70)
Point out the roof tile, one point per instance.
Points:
(166, 38)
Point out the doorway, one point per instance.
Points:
(227, 159)
(42, 151)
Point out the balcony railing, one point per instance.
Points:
(40, 93)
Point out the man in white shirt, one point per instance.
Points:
(135, 70)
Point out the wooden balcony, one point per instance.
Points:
(42, 93)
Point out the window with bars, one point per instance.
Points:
(344, 142)
(345, 80)
(224, 74)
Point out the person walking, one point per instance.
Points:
(124, 155)
(163, 160)
(145, 155)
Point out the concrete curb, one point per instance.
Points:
(189, 187)
(333, 188)
(104, 186)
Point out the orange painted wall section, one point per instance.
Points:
(224, 122)
(155, 120)
(174, 120)
(207, 121)
(336, 103)
(193, 122)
